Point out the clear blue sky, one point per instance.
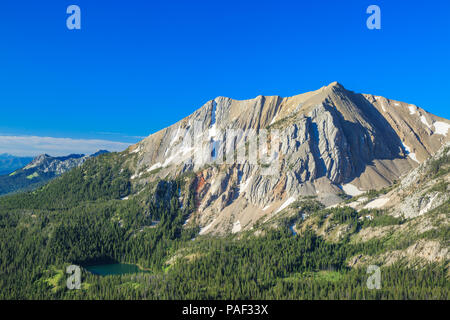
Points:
(138, 66)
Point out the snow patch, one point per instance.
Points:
(186, 222)
(155, 166)
(351, 190)
(424, 121)
(285, 204)
(441, 128)
(412, 109)
(236, 227)
(203, 230)
(134, 176)
(273, 120)
(410, 154)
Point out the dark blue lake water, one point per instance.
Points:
(113, 269)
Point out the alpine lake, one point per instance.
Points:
(114, 269)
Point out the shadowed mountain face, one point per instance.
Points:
(42, 169)
(322, 143)
(9, 163)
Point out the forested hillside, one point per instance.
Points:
(85, 218)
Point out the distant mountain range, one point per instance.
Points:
(10, 163)
(38, 171)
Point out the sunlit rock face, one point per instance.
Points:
(252, 157)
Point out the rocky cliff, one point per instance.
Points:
(253, 158)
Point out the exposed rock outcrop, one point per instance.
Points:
(321, 143)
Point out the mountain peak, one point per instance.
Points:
(99, 152)
(41, 157)
(335, 86)
(38, 160)
(331, 139)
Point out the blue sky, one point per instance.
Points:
(138, 66)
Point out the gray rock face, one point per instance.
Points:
(329, 141)
(418, 196)
(418, 192)
(57, 165)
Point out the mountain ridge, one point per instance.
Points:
(333, 141)
(41, 170)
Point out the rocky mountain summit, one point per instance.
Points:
(253, 158)
(57, 165)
